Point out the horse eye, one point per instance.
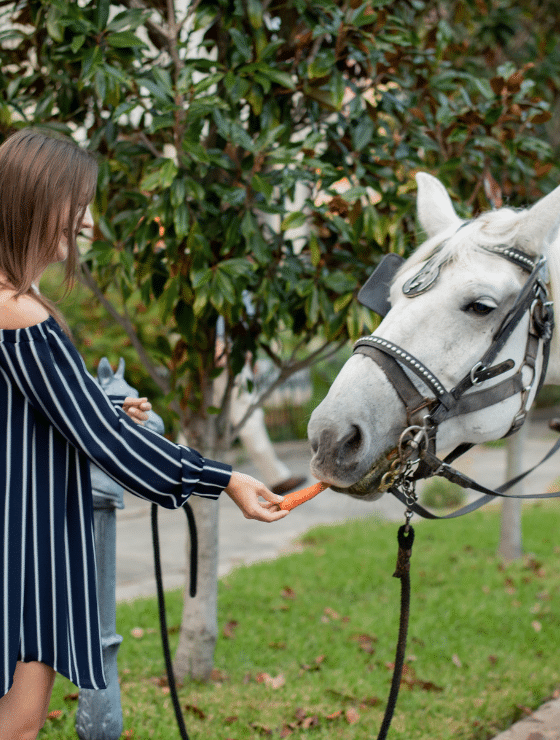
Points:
(479, 308)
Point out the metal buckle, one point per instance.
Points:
(474, 371)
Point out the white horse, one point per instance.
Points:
(447, 304)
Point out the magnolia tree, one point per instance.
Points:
(256, 159)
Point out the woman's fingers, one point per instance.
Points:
(137, 408)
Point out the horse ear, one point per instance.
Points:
(435, 209)
(120, 369)
(539, 226)
(104, 371)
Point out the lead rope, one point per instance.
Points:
(161, 605)
(405, 538)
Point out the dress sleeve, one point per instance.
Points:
(48, 370)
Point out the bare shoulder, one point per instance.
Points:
(19, 313)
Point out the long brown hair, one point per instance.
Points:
(46, 184)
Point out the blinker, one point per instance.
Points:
(374, 294)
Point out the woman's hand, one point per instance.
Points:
(245, 491)
(137, 408)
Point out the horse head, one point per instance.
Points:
(448, 342)
(113, 383)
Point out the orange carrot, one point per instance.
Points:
(304, 494)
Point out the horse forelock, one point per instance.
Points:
(493, 230)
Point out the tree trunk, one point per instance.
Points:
(199, 626)
(511, 547)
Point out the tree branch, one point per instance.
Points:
(87, 279)
(285, 373)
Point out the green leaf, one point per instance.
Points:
(124, 40)
(315, 250)
(241, 42)
(255, 13)
(101, 13)
(161, 176)
(177, 192)
(127, 19)
(163, 80)
(362, 134)
(77, 43)
(165, 121)
(181, 220)
(293, 221)
(55, 27)
(91, 60)
(260, 185)
(342, 301)
(282, 78)
(184, 316)
(201, 277)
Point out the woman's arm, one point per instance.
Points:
(46, 368)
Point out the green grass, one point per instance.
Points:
(439, 493)
(483, 639)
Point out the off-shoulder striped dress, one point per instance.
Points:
(54, 420)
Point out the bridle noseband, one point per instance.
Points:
(426, 412)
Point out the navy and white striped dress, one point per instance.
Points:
(54, 420)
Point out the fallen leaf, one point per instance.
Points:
(229, 629)
(277, 645)
(193, 709)
(493, 659)
(537, 626)
(335, 715)
(369, 701)
(55, 714)
(411, 681)
(311, 721)
(331, 613)
(231, 720)
(137, 633)
(288, 593)
(261, 729)
(272, 682)
(456, 660)
(365, 642)
(352, 715)
(315, 666)
(218, 676)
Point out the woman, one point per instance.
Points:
(54, 420)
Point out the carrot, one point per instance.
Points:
(304, 494)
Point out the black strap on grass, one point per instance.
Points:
(161, 605)
(405, 539)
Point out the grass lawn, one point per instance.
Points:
(307, 641)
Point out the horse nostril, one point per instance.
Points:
(353, 440)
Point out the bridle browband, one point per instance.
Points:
(426, 411)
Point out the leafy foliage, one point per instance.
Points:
(256, 159)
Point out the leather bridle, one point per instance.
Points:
(415, 456)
